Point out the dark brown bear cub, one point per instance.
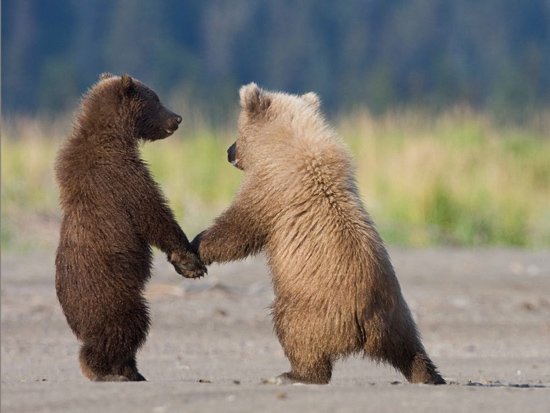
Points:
(112, 212)
(336, 292)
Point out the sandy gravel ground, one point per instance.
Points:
(484, 316)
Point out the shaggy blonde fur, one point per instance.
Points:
(336, 292)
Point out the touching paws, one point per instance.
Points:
(196, 246)
(187, 264)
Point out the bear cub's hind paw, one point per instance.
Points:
(284, 379)
(187, 264)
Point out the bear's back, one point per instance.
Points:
(97, 192)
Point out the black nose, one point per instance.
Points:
(178, 119)
(231, 153)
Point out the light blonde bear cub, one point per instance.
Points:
(336, 292)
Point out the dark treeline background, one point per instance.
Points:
(491, 54)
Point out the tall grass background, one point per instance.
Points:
(459, 178)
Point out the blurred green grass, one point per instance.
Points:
(459, 178)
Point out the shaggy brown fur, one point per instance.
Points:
(335, 289)
(112, 212)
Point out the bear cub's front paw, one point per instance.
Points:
(197, 245)
(187, 263)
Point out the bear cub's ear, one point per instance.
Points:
(253, 99)
(312, 99)
(127, 84)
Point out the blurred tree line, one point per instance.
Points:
(492, 54)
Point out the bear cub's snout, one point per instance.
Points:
(172, 123)
(232, 156)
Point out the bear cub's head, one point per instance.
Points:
(136, 106)
(266, 121)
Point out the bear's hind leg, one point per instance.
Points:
(422, 370)
(316, 370)
(400, 346)
(96, 366)
(110, 355)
